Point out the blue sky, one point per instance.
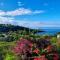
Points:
(30, 13)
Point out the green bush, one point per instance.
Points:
(53, 40)
(9, 56)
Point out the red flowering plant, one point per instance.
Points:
(55, 57)
(44, 47)
(42, 57)
(22, 46)
(38, 50)
(52, 56)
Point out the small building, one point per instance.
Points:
(58, 36)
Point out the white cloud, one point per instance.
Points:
(20, 11)
(26, 23)
(2, 13)
(47, 24)
(20, 3)
(10, 20)
(6, 20)
(39, 11)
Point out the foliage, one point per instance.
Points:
(17, 43)
(9, 56)
(31, 49)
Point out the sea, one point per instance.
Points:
(49, 30)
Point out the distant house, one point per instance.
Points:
(58, 36)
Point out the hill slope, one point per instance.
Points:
(9, 27)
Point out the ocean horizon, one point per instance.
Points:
(50, 30)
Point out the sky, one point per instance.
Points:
(30, 13)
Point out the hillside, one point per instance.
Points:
(9, 27)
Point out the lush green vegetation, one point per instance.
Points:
(9, 35)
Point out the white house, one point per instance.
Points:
(58, 36)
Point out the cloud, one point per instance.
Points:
(47, 24)
(11, 20)
(6, 20)
(26, 23)
(20, 11)
(39, 11)
(20, 3)
(2, 13)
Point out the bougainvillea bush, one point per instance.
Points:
(22, 46)
(39, 50)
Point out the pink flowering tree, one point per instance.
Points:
(32, 49)
(23, 47)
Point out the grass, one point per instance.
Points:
(7, 43)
